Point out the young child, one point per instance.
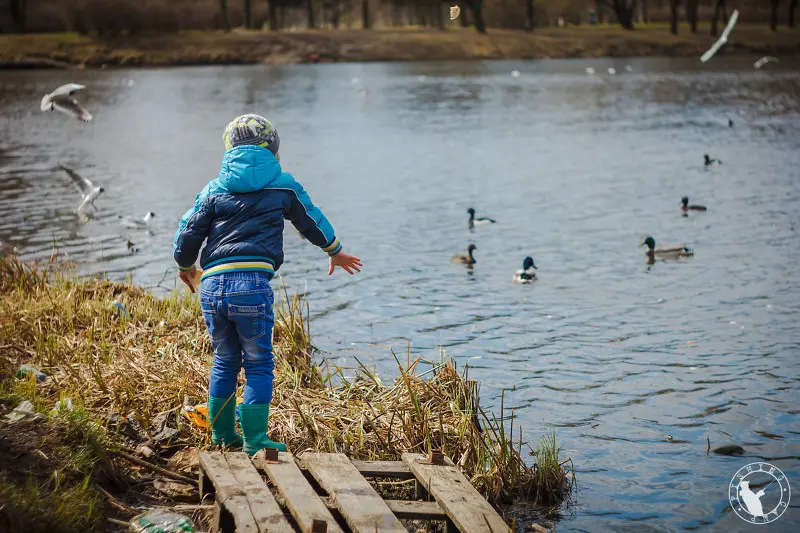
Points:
(240, 215)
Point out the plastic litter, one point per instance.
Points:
(26, 370)
(161, 522)
(63, 406)
(121, 309)
(198, 414)
(23, 411)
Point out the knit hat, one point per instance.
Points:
(251, 129)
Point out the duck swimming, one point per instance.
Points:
(481, 221)
(669, 251)
(686, 207)
(527, 274)
(467, 259)
(709, 161)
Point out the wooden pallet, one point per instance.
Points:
(329, 493)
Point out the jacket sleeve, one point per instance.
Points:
(192, 231)
(310, 221)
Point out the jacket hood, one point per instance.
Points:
(248, 168)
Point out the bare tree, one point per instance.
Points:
(223, 14)
(272, 14)
(645, 14)
(436, 5)
(476, 8)
(773, 19)
(624, 10)
(673, 16)
(529, 15)
(792, 6)
(18, 9)
(310, 13)
(719, 8)
(248, 14)
(691, 14)
(365, 14)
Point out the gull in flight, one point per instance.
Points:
(137, 223)
(723, 38)
(85, 187)
(454, 12)
(764, 60)
(61, 100)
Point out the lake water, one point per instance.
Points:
(577, 169)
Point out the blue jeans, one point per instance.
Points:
(237, 309)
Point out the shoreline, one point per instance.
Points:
(243, 47)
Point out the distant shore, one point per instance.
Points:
(69, 50)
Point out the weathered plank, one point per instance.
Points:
(301, 498)
(242, 496)
(362, 507)
(232, 503)
(416, 510)
(266, 511)
(392, 469)
(464, 505)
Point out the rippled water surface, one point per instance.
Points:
(576, 169)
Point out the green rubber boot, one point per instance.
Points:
(254, 419)
(221, 412)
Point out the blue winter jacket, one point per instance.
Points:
(241, 215)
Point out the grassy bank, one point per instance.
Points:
(128, 376)
(249, 47)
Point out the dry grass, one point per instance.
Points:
(216, 47)
(144, 365)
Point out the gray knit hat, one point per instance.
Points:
(251, 129)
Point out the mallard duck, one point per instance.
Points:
(467, 259)
(671, 250)
(686, 207)
(527, 274)
(709, 161)
(481, 221)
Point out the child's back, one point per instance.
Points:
(240, 216)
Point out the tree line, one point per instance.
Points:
(119, 16)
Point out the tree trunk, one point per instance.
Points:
(310, 14)
(624, 9)
(248, 14)
(335, 14)
(365, 14)
(438, 14)
(529, 15)
(673, 16)
(691, 14)
(18, 11)
(463, 17)
(718, 8)
(223, 14)
(272, 13)
(645, 14)
(476, 7)
(792, 6)
(773, 18)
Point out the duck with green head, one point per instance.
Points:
(668, 251)
(528, 272)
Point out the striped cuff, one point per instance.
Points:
(333, 248)
(185, 269)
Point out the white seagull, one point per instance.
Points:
(612, 70)
(723, 38)
(61, 100)
(764, 60)
(137, 223)
(590, 70)
(515, 74)
(85, 187)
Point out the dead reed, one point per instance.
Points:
(144, 364)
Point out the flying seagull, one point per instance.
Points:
(61, 100)
(454, 12)
(722, 39)
(85, 187)
(137, 223)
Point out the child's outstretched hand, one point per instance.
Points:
(189, 278)
(347, 262)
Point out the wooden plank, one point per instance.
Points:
(230, 497)
(416, 510)
(265, 509)
(362, 507)
(301, 498)
(392, 469)
(464, 505)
